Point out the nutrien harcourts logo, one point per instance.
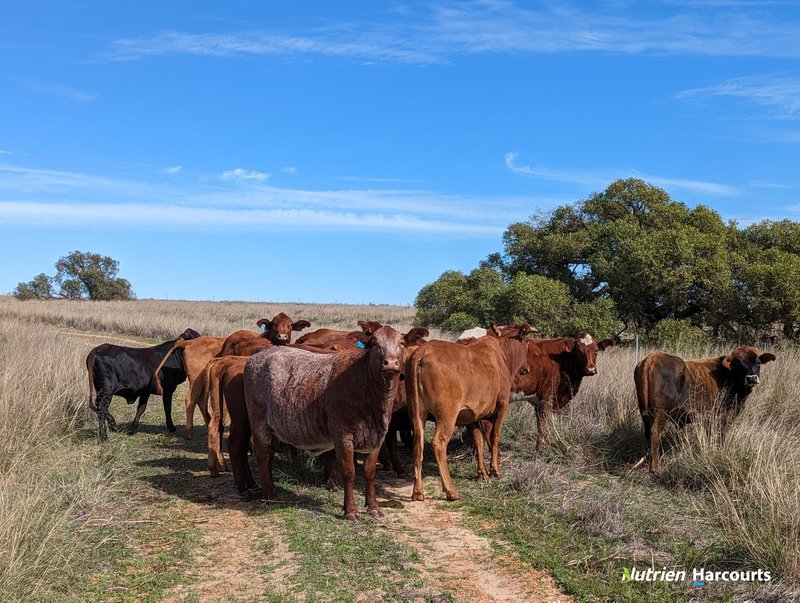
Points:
(699, 575)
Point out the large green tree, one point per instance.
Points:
(654, 257)
(79, 275)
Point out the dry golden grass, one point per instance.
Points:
(48, 483)
(166, 319)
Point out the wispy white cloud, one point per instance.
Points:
(174, 169)
(601, 178)
(4, 152)
(140, 214)
(780, 93)
(448, 29)
(244, 175)
(68, 92)
(31, 196)
(289, 169)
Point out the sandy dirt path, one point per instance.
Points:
(457, 559)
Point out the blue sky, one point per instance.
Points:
(352, 152)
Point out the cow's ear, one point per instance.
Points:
(493, 328)
(567, 345)
(524, 329)
(415, 336)
(606, 343)
(299, 325)
(363, 325)
(727, 362)
(766, 357)
(263, 322)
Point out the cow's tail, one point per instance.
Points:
(179, 343)
(641, 378)
(200, 390)
(90, 371)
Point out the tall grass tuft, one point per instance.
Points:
(49, 485)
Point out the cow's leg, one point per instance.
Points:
(391, 446)
(140, 408)
(329, 459)
(238, 439)
(369, 483)
(477, 445)
(344, 453)
(264, 450)
(418, 427)
(441, 437)
(188, 404)
(166, 397)
(544, 409)
(102, 402)
(216, 427)
(657, 429)
(493, 436)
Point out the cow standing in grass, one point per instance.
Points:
(462, 385)
(128, 372)
(557, 368)
(322, 402)
(669, 387)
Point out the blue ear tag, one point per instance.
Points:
(263, 328)
(359, 344)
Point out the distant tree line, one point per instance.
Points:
(630, 256)
(79, 275)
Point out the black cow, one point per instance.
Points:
(128, 372)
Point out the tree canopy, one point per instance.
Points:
(632, 255)
(79, 275)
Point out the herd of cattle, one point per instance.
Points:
(335, 393)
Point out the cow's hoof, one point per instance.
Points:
(332, 485)
(400, 472)
(375, 513)
(484, 476)
(451, 496)
(171, 428)
(495, 474)
(418, 496)
(213, 471)
(351, 516)
(188, 435)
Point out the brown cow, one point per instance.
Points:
(321, 337)
(557, 368)
(196, 354)
(277, 331)
(460, 385)
(668, 387)
(322, 402)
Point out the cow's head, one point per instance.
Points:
(279, 329)
(583, 352)
(517, 351)
(369, 326)
(386, 351)
(745, 364)
(189, 334)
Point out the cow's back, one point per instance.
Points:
(663, 383)
(473, 374)
(288, 390)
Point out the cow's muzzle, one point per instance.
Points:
(591, 371)
(752, 380)
(391, 365)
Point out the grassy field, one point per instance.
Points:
(138, 518)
